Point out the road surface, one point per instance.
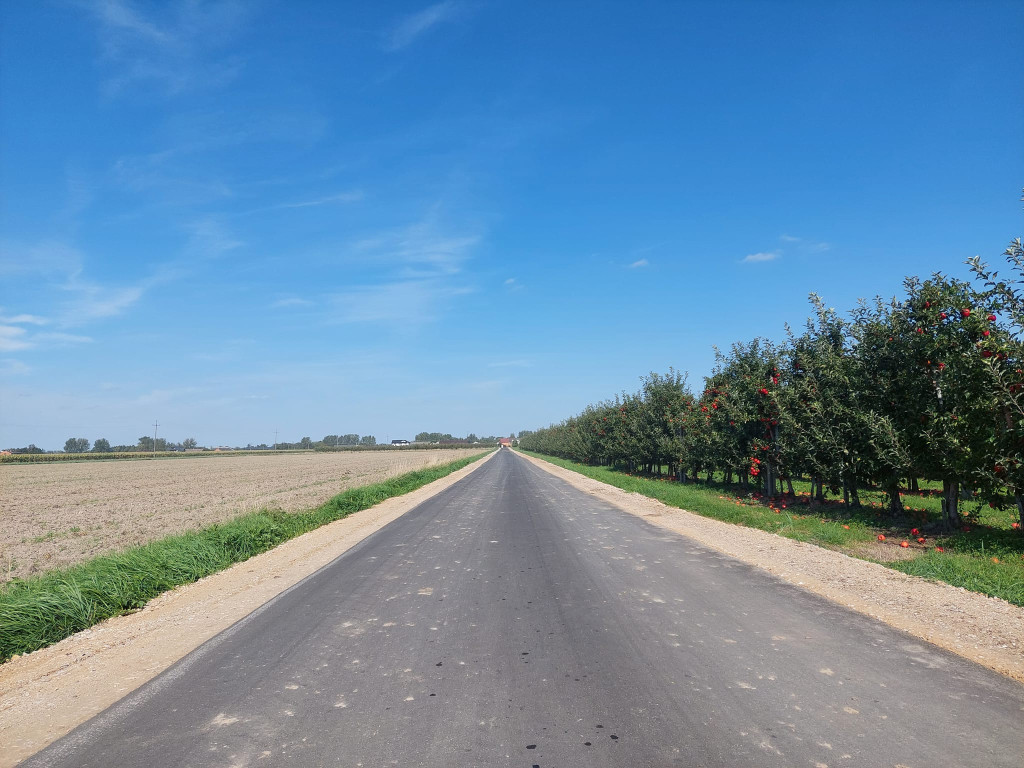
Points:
(512, 620)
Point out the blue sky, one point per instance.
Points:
(386, 218)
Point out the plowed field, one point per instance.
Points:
(58, 514)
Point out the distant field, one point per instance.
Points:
(58, 514)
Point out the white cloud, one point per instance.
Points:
(762, 256)
(93, 301)
(510, 281)
(511, 364)
(414, 25)
(24, 319)
(11, 367)
(805, 245)
(48, 258)
(174, 44)
(344, 197)
(292, 301)
(639, 263)
(421, 250)
(118, 16)
(62, 338)
(209, 238)
(13, 339)
(72, 298)
(406, 304)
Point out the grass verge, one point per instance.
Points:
(984, 557)
(43, 609)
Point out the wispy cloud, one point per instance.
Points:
(93, 301)
(418, 268)
(762, 256)
(209, 238)
(61, 339)
(413, 26)
(344, 197)
(521, 363)
(22, 319)
(90, 300)
(405, 304)
(46, 259)
(808, 246)
(173, 45)
(72, 297)
(639, 263)
(510, 281)
(291, 301)
(13, 339)
(421, 250)
(12, 367)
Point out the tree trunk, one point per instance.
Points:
(950, 504)
(744, 482)
(895, 505)
(820, 497)
(854, 494)
(913, 485)
(1020, 511)
(846, 494)
(789, 485)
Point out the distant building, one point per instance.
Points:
(505, 442)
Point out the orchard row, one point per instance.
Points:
(930, 385)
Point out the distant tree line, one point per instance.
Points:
(102, 445)
(145, 443)
(446, 437)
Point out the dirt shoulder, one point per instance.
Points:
(45, 694)
(983, 629)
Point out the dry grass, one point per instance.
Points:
(59, 514)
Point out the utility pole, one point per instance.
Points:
(275, 439)
(156, 425)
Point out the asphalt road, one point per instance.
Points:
(515, 621)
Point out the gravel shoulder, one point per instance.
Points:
(45, 694)
(983, 629)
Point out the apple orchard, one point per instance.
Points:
(927, 386)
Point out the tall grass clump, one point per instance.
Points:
(41, 610)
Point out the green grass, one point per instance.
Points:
(41, 610)
(967, 560)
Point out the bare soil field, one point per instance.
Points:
(54, 515)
